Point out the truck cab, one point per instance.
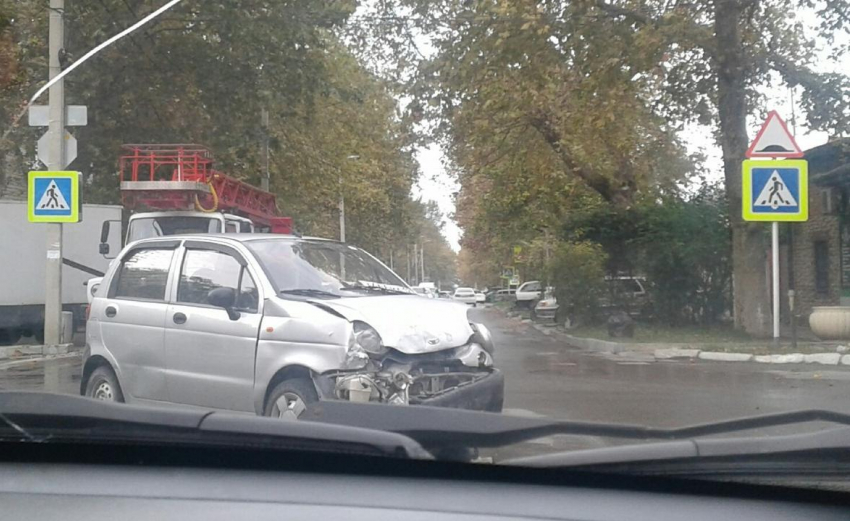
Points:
(158, 224)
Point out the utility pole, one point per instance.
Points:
(422, 262)
(56, 155)
(341, 211)
(416, 263)
(264, 121)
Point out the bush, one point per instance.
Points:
(577, 270)
(685, 251)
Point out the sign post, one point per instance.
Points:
(775, 190)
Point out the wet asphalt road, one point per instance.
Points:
(546, 377)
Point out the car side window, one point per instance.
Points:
(143, 274)
(248, 298)
(204, 271)
(533, 287)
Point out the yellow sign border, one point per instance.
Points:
(74, 203)
(747, 190)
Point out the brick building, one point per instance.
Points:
(820, 248)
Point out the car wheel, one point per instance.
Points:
(103, 385)
(290, 398)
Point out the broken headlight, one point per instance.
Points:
(363, 343)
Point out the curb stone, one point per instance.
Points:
(22, 351)
(37, 359)
(823, 358)
(845, 360)
(675, 352)
(791, 358)
(725, 357)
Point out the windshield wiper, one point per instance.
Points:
(307, 292)
(384, 290)
(53, 418)
(440, 429)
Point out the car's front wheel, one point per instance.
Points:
(103, 385)
(290, 398)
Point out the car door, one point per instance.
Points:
(209, 356)
(132, 318)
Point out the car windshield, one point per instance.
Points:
(323, 266)
(268, 206)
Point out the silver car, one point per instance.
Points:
(269, 324)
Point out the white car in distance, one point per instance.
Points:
(465, 295)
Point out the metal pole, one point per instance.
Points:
(422, 261)
(341, 211)
(264, 121)
(775, 255)
(416, 263)
(56, 155)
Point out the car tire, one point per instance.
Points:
(297, 393)
(103, 385)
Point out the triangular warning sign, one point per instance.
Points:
(52, 199)
(774, 140)
(775, 194)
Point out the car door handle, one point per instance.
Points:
(179, 318)
(111, 311)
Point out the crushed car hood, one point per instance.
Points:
(408, 323)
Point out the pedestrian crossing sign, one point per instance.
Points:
(775, 190)
(53, 197)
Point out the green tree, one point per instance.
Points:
(651, 65)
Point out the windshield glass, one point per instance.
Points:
(338, 269)
(144, 228)
(654, 193)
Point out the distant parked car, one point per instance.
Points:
(528, 293)
(423, 292)
(505, 294)
(465, 295)
(546, 309)
(445, 294)
(480, 297)
(626, 294)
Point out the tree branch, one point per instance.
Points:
(598, 183)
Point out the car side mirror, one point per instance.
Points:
(224, 298)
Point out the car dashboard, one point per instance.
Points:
(130, 492)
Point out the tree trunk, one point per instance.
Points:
(749, 277)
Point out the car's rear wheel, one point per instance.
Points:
(103, 385)
(290, 398)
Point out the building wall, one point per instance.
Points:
(822, 225)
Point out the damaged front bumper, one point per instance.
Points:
(459, 378)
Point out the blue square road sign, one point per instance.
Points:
(775, 190)
(53, 197)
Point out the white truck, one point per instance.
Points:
(23, 253)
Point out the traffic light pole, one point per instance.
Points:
(56, 129)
